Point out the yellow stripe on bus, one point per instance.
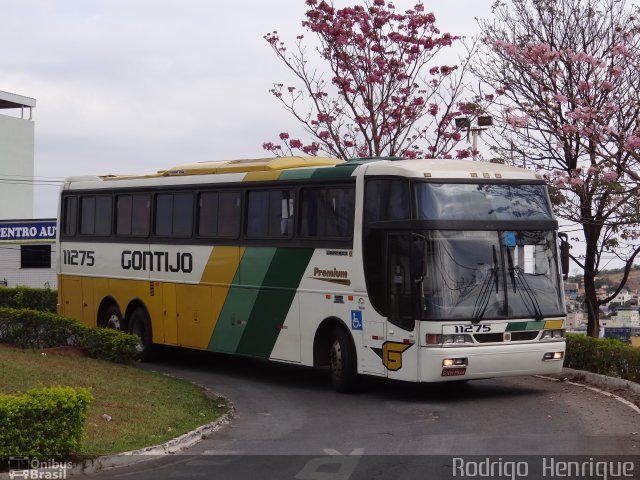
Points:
(262, 176)
(218, 276)
(553, 324)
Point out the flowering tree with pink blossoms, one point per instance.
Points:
(566, 75)
(379, 93)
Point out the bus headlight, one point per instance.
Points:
(457, 339)
(454, 362)
(555, 334)
(553, 356)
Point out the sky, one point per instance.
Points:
(138, 86)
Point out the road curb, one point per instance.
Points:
(602, 381)
(172, 446)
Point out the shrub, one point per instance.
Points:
(111, 345)
(46, 423)
(33, 298)
(605, 356)
(36, 330)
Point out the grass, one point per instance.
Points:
(146, 408)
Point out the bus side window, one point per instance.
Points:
(257, 214)
(140, 215)
(208, 214)
(219, 214)
(327, 212)
(103, 215)
(229, 214)
(281, 213)
(386, 199)
(132, 215)
(270, 213)
(70, 214)
(174, 214)
(95, 215)
(87, 215)
(399, 281)
(123, 214)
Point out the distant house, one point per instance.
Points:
(623, 319)
(623, 297)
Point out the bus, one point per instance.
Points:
(415, 270)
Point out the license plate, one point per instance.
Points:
(474, 328)
(453, 372)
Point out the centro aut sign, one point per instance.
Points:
(43, 231)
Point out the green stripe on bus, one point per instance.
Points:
(535, 325)
(274, 301)
(520, 326)
(297, 174)
(516, 326)
(335, 172)
(241, 298)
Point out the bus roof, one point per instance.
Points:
(284, 168)
(450, 169)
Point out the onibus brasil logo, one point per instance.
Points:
(33, 468)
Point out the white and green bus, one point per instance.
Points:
(415, 270)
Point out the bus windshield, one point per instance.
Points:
(473, 275)
(482, 201)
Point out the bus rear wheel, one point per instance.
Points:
(140, 326)
(111, 318)
(342, 363)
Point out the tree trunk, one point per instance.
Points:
(591, 302)
(591, 227)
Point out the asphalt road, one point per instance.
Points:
(290, 424)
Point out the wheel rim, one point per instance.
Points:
(138, 331)
(114, 322)
(335, 359)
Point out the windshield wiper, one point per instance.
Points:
(529, 292)
(482, 302)
(529, 300)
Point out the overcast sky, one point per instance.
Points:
(134, 86)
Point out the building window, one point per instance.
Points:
(35, 256)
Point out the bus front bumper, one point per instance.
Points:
(472, 362)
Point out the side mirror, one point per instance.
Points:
(564, 254)
(417, 257)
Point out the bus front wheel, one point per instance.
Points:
(140, 326)
(342, 363)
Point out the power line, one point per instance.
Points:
(30, 176)
(49, 183)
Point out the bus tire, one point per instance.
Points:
(342, 363)
(140, 326)
(111, 318)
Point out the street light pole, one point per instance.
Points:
(481, 122)
(474, 134)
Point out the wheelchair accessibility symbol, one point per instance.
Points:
(356, 320)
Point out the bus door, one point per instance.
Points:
(405, 254)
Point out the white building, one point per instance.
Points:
(28, 253)
(16, 155)
(27, 246)
(623, 297)
(622, 319)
